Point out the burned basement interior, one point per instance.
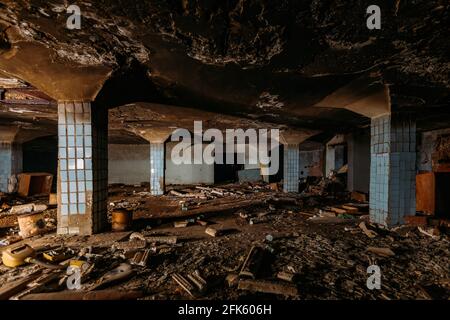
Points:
(224, 150)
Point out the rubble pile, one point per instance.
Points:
(227, 242)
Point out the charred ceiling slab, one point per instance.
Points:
(366, 95)
(265, 60)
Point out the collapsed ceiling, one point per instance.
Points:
(266, 61)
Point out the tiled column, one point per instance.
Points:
(157, 164)
(291, 168)
(392, 169)
(82, 168)
(10, 162)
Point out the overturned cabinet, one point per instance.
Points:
(433, 193)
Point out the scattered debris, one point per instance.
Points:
(252, 263)
(162, 239)
(123, 272)
(198, 281)
(213, 232)
(286, 276)
(155, 250)
(137, 236)
(15, 287)
(86, 295)
(430, 232)
(232, 280)
(184, 283)
(141, 258)
(31, 224)
(181, 224)
(370, 233)
(21, 209)
(383, 252)
(268, 287)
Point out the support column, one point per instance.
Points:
(291, 167)
(392, 169)
(358, 175)
(11, 163)
(334, 154)
(82, 168)
(157, 168)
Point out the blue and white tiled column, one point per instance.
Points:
(82, 168)
(392, 169)
(157, 168)
(10, 162)
(291, 167)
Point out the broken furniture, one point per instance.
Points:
(35, 184)
(432, 193)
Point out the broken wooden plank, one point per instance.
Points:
(198, 281)
(181, 224)
(350, 209)
(306, 214)
(268, 287)
(86, 295)
(12, 288)
(338, 210)
(162, 239)
(188, 195)
(132, 245)
(183, 283)
(370, 233)
(22, 209)
(213, 232)
(202, 223)
(39, 284)
(327, 214)
(252, 263)
(384, 252)
(432, 232)
(286, 276)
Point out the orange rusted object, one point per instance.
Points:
(425, 193)
(121, 219)
(31, 224)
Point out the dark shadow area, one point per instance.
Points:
(41, 155)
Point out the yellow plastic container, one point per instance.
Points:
(15, 256)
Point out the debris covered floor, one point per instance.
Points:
(233, 242)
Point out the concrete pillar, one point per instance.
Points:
(392, 169)
(291, 141)
(291, 168)
(358, 175)
(11, 162)
(334, 154)
(329, 159)
(82, 168)
(157, 168)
